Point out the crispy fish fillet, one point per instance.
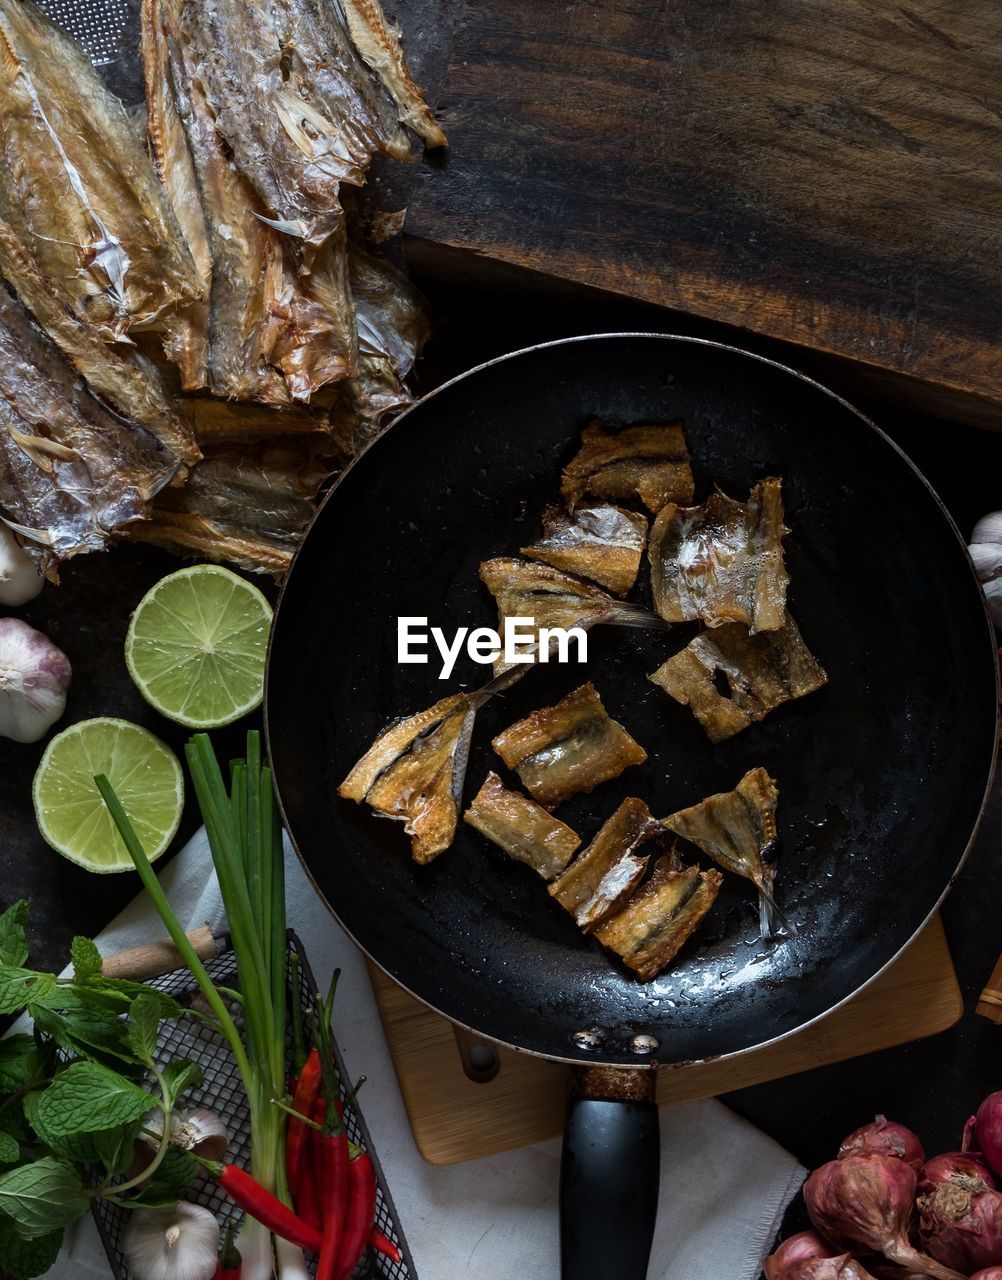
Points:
(737, 829)
(414, 772)
(186, 534)
(646, 462)
(660, 917)
(71, 471)
(601, 543)
(128, 383)
(723, 561)
(521, 828)
(77, 186)
(560, 751)
(761, 672)
(598, 883)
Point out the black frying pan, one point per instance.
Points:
(882, 775)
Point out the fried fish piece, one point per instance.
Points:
(521, 828)
(646, 462)
(723, 561)
(568, 748)
(661, 916)
(761, 672)
(602, 543)
(737, 829)
(414, 772)
(598, 883)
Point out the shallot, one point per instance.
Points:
(34, 678)
(804, 1245)
(843, 1267)
(990, 1273)
(867, 1201)
(988, 1131)
(960, 1167)
(884, 1138)
(961, 1227)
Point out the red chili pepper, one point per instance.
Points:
(333, 1176)
(307, 1190)
(385, 1245)
(304, 1100)
(361, 1215)
(267, 1209)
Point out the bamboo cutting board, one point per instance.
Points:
(455, 1119)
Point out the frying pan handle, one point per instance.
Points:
(609, 1175)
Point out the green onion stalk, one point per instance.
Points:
(245, 839)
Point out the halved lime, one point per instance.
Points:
(69, 810)
(196, 646)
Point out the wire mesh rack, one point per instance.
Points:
(222, 1091)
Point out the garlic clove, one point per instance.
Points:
(987, 557)
(988, 529)
(34, 678)
(202, 1132)
(181, 1243)
(993, 593)
(20, 578)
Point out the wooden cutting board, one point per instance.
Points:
(454, 1118)
(827, 173)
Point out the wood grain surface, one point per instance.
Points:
(825, 172)
(455, 1119)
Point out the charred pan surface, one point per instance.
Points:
(414, 772)
(660, 917)
(521, 828)
(760, 672)
(602, 543)
(722, 562)
(599, 882)
(563, 750)
(646, 462)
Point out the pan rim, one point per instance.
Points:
(596, 1059)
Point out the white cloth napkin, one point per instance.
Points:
(724, 1185)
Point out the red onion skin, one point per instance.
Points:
(961, 1167)
(799, 1247)
(990, 1273)
(988, 1131)
(866, 1202)
(843, 1267)
(962, 1228)
(884, 1138)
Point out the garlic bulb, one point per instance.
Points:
(986, 552)
(34, 677)
(172, 1244)
(200, 1131)
(20, 580)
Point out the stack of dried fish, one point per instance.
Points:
(233, 248)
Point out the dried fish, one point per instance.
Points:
(737, 829)
(661, 916)
(601, 543)
(521, 828)
(186, 534)
(217, 421)
(723, 561)
(414, 772)
(759, 673)
(598, 883)
(77, 186)
(568, 748)
(646, 462)
(71, 471)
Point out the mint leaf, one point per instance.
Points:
(87, 1096)
(179, 1076)
(115, 1148)
(18, 986)
(13, 947)
(86, 959)
(10, 1151)
(171, 1182)
(144, 1022)
(78, 1147)
(42, 1197)
(121, 992)
(96, 1033)
(24, 1259)
(17, 1062)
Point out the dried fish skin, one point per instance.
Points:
(563, 750)
(761, 671)
(661, 916)
(414, 772)
(217, 421)
(71, 472)
(77, 185)
(521, 828)
(649, 462)
(186, 534)
(129, 384)
(722, 562)
(602, 543)
(597, 884)
(737, 829)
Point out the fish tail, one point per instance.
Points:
(773, 923)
